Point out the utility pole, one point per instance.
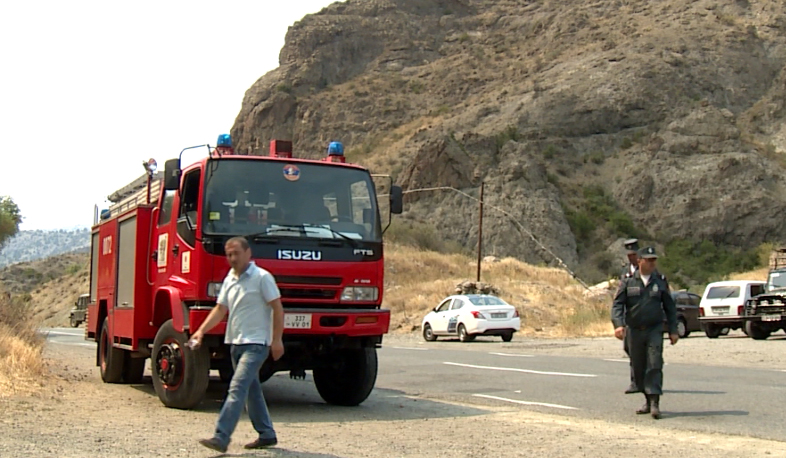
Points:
(480, 228)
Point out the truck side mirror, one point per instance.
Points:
(172, 174)
(396, 200)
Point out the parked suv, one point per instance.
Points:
(723, 304)
(79, 310)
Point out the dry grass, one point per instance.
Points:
(550, 302)
(21, 360)
(758, 274)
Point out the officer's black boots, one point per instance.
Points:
(655, 405)
(652, 406)
(645, 409)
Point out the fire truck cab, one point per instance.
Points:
(157, 264)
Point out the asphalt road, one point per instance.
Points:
(724, 400)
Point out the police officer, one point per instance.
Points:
(631, 249)
(637, 315)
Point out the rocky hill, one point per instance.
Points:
(33, 245)
(587, 121)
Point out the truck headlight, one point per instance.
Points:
(213, 289)
(360, 294)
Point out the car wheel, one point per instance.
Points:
(507, 337)
(463, 335)
(682, 329)
(74, 323)
(712, 331)
(428, 333)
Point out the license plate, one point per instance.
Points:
(297, 321)
(499, 315)
(770, 318)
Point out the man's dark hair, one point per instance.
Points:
(240, 241)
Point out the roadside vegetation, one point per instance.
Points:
(21, 361)
(550, 302)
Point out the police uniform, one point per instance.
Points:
(631, 247)
(640, 308)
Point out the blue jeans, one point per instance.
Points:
(245, 386)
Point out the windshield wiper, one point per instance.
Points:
(351, 241)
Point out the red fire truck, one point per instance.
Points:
(157, 264)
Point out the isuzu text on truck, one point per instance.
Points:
(157, 263)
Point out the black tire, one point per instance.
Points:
(755, 331)
(348, 381)
(428, 333)
(110, 359)
(73, 322)
(134, 369)
(267, 370)
(464, 336)
(507, 337)
(682, 328)
(712, 331)
(180, 374)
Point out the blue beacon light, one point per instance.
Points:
(335, 149)
(224, 140)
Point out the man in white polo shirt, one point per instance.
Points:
(250, 295)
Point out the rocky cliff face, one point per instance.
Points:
(673, 109)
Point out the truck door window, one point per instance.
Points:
(187, 213)
(165, 216)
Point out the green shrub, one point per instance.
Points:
(701, 262)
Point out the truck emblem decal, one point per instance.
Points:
(363, 252)
(107, 245)
(300, 255)
(291, 172)
(185, 262)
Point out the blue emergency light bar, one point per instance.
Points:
(335, 149)
(224, 140)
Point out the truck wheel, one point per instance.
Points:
(507, 337)
(682, 329)
(428, 333)
(463, 335)
(180, 375)
(712, 331)
(348, 381)
(755, 331)
(134, 369)
(74, 323)
(110, 359)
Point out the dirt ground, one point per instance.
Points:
(76, 415)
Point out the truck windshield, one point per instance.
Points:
(777, 280)
(273, 198)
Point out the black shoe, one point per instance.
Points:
(261, 443)
(645, 408)
(655, 406)
(213, 444)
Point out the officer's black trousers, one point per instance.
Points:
(627, 352)
(646, 358)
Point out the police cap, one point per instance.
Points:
(648, 253)
(631, 245)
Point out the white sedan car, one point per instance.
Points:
(467, 316)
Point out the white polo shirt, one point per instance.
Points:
(247, 297)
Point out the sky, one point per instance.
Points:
(90, 90)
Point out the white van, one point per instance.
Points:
(723, 304)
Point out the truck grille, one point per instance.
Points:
(300, 280)
(310, 293)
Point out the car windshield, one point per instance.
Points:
(486, 300)
(777, 280)
(723, 292)
(277, 199)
